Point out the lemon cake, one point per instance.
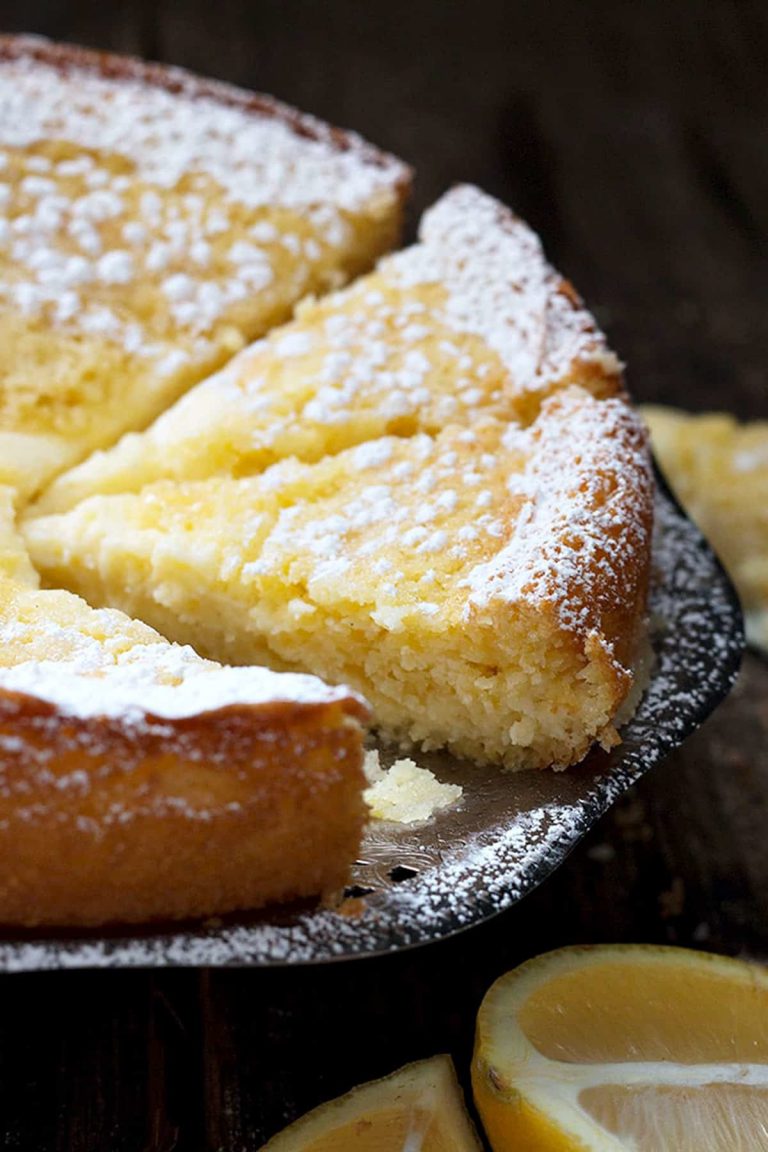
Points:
(138, 781)
(718, 468)
(471, 320)
(483, 587)
(427, 488)
(151, 224)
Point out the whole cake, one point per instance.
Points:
(428, 488)
(150, 225)
(138, 781)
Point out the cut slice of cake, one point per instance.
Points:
(151, 224)
(139, 782)
(484, 587)
(718, 469)
(470, 321)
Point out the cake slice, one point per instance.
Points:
(471, 320)
(151, 224)
(140, 782)
(484, 587)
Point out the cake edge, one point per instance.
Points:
(68, 57)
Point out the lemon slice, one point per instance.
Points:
(418, 1109)
(613, 1048)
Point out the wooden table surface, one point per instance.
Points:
(633, 137)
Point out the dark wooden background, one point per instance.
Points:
(633, 136)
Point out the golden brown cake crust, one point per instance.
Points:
(73, 58)
(598, 509)
(105, 820)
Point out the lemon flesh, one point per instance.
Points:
(636, 1048)
(648, 1118)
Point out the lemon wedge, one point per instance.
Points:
(418, 1109)
(609, 1048)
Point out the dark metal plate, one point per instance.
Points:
(422, 883)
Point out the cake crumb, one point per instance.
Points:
(405, 793)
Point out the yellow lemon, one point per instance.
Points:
(609, 1048)
(418, 1109)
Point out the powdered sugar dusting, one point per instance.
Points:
(585, 528)
(172, 683)
(91, 663)
(257, 158)
(133, 202)
(469, 323)
(501, 287)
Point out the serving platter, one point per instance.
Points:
(420, 883)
